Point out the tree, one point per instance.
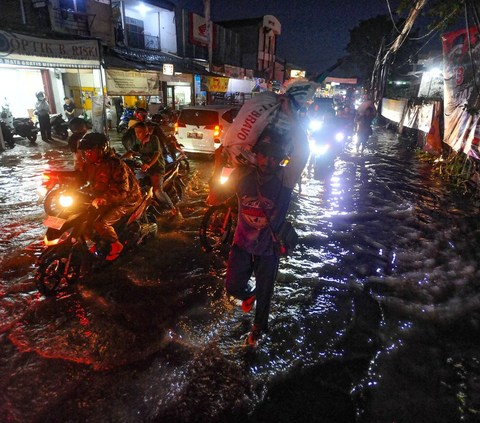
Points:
(365, 42)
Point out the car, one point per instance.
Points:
(202, 129)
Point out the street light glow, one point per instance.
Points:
(142, 8)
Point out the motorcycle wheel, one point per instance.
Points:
(216, 227)
(53, 272)
(32, 137)
(64, 134)
(184, 167)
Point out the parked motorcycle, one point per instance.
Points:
(7, 135)
(70, 237)
(24, 127)
(127, 115)
(219, 223)
(59, 126)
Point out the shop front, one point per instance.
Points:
(60, 68)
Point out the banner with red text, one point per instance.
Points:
(461, 76)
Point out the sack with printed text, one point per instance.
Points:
(264, 109)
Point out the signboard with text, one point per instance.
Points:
(120, 82)
(22, 50)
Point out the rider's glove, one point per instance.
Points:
(99, 202)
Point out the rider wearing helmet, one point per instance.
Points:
(42, 110)
(128, 139)
(114, 186)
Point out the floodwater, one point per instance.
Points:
(374, 319)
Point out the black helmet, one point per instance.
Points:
(40, 94)
(90, 141)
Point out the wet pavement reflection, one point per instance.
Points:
(373, 319)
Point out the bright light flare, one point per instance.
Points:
(225, 174)
(320, 150)
(66, 201)
(340, 136)
(315, 125)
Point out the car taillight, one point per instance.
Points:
(179, 125)
(217, 129)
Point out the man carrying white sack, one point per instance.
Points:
(264, 193)
(266, 108)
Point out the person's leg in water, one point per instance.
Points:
(104, 228)
(265, 268)
(361, 141)
(160, 194)
(239, 271)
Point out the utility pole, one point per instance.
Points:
(206, 6)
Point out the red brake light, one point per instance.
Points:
(217, 129)
(179, 125)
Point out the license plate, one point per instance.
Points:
(195, 135)
(54, 222)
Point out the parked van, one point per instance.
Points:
(202, 129)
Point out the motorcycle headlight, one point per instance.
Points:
(66, 201)
(320, 150)
(225, 174)
(315, 125)
(339, 137)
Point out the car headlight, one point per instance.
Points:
(315, 125)
(340, 136)
(319, 150)
(66, 201)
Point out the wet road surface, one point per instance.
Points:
(374, 319)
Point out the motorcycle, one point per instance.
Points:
(7, 135)
(59, 126)
(219, 223)
(173, 183)
(176, 153)
(324, 138)
(55, 184)
(70, 239)
(25, 128)
(127, 115)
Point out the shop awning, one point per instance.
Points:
(125, 58)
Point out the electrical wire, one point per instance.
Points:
(438, 26)
(391, 17)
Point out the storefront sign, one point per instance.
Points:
(22, 50)
(295, 73)
(217, 84)
(461, 62)
(198, 85)
(167, 69)
(198, 30)
(120, 82)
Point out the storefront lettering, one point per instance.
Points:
(65, 49)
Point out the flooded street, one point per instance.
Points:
(374, 319)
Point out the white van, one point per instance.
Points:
(202, 129)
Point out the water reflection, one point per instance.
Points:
(367, 310)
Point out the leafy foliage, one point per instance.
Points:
(365, 42)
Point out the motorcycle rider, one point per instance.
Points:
(42, 110)
(148, 147)
(78, 126)
(128, 139)
(114, 186)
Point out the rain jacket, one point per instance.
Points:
(113, 180)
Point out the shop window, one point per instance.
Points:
(135, 32)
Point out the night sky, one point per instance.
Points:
(314, 32)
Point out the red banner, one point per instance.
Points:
(462, 131)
